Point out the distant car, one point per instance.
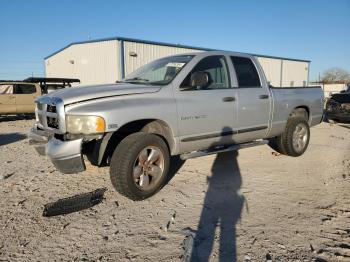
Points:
(338, 107)
(17, 97)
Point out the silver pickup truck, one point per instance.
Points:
(188, 105)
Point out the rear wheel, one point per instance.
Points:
(139, 165)
(295, 138)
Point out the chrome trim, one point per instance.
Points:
(41, 115)
(57, 149)
(38, 139)
(66, 155)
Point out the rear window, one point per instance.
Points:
(247, 75)
(24, 89)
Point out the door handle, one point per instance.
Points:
(229, 99)
(263, 96)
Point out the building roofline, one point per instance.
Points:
(163, 44)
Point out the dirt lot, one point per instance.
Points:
(271, 208)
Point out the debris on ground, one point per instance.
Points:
(171, 221)
(287, 202)
(275, 153)
(268, 257)
(6, 176)
(21, 202)
(75, 203)
(24, 243)
(312, 248)
(188, 244)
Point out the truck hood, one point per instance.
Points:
(79, 94)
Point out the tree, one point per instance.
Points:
(335, 75)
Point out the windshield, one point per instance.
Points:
(159, 72)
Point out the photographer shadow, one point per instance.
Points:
(222, 209)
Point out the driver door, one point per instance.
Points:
(206, 115)
(25, 97)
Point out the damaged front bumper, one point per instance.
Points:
(65, 155)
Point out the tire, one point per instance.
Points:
(130, 158)
(284, 143)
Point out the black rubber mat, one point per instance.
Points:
(74, 204)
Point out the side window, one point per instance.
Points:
(247, 75)
(24, 89)
(6, 89)
(216, 69)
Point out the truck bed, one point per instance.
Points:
(287, 98)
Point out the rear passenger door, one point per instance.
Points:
(253, 100)
(7, 99)
(25, 96)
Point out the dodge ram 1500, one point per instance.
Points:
(189, 105)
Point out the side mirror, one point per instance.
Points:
(199, 79)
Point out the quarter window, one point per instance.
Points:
(6, 89)
(247, 75)
(217, 71)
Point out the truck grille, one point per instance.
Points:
(51, 108)
(40, 106)
(52, 122)
(50, 114)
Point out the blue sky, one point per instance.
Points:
(316, 30)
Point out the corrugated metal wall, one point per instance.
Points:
(99, 62)
(294, 73)
(146, 53)
(329, 89)
(92, 63)
(272, 69)
(285, 73)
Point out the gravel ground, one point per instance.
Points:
(254, 205)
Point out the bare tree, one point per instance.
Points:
(335, 75)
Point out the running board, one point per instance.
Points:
(222, 149)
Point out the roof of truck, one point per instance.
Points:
(51, 80)
(163, 44)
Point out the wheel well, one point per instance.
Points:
(301, 111)
(153, 126)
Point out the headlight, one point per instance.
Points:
(85, 124)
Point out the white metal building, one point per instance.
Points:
(108, 60)
(329, 89)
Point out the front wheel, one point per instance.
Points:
(295, 138)
(139, 165)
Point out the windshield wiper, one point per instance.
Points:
(136, 79)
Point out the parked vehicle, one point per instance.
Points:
(338, 107)
(17, 97)
(189, 105)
